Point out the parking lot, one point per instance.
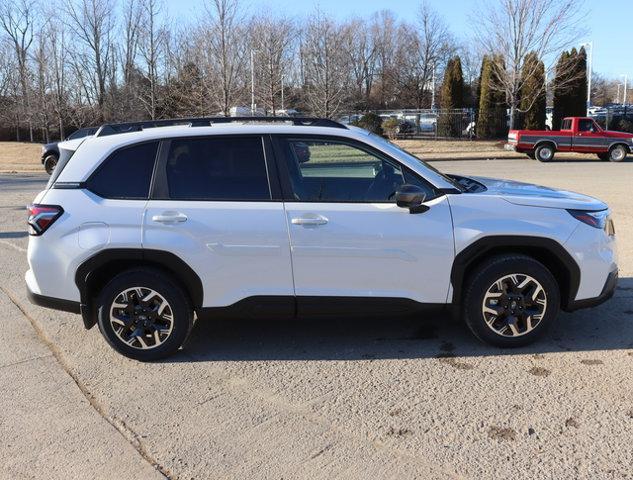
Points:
(382, 398)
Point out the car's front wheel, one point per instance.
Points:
(144, 315)
(50, 162)
(510, 300)
(617, 153)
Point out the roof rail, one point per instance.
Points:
(116, 128)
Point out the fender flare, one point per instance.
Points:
(542, 247)
(167, 261)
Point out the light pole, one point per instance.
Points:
(252, 82)
(282, 91)
(433, 89)
(626, 78)
(589, 71)
(617, 98)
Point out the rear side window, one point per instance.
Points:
(126, 174)
(566, 125)
(217, 169)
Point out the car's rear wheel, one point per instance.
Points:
(617, 153)
(510, 300)
(544, 153)
(50, 162)
(144, 315)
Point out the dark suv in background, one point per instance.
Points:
(50, 151)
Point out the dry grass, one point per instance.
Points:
(20, 157)
(25, 157)
(430, 150)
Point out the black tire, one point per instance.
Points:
(545, 152)
(486, 277)
(617, 153)
(177, 302)
(50, 162)
(603, 156)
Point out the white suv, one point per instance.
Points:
(143, 231)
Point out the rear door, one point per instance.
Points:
(215, 206)
(348, 237)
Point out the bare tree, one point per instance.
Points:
(326, 77)
(271, 41)
(514, 28)
(93, 23)
(422, 47)
(132, 16)
(152, 39)
(361, 51)
(17, 19)
(224, 52)
(384, 36)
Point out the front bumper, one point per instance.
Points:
(607, 292)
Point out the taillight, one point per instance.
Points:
(41, 217)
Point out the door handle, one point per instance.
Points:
(170, 217)
(309, 220)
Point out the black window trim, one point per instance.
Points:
(160, 188)
(284, 174)
(87, 182)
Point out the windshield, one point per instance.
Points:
(389, 144)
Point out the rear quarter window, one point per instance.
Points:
(126, 173)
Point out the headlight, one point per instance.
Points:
(600, 219)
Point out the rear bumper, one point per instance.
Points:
(53, 303)
(607, 292)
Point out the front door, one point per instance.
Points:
(213, 207)
(589, 139)
(348, 238)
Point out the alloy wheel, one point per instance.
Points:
(514, 305)
(141, 318)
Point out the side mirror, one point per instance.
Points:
(411, 197)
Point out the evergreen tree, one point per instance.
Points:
(452, 97)
(561, 90)
(578, 100)
(491, 121)
(533, 93)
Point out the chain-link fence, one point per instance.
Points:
(436, 123)
(616, 117)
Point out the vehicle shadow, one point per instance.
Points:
(606, 327)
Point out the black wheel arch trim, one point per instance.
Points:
(86, 274)
(491, 245)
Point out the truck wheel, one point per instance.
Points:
(144, 315)
(510, 300)
(50, 162)
(544, 153)
(617, 153)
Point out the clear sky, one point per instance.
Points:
(608, 21)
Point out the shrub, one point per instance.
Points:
(625, 125)
(371, 122)
(390, 127)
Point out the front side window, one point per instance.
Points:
(586, 126)
(126, 174)
(331, 171)
(221, 168)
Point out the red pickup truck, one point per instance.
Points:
(577, 134)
